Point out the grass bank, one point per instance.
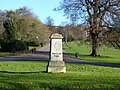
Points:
(31, 48)
(31, 75)
(108, 54)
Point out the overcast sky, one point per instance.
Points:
(41, 8)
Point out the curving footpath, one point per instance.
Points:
(42, 53)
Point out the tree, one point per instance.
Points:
(49, 21)
(113, 35)
(2, 18)
(64, 31)
(20, 26)
(28, 26)
(9, 29)
(72, 32)
(95, 11)
(23, 21)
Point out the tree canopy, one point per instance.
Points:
(49, 21)
(22, 24)
(96, 14)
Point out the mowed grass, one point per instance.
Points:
(3, 54)
(31, 75)
(32, 47)
(108, 54)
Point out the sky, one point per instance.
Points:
(41, 8)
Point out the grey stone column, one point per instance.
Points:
(56, 63)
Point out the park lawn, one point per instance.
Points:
(32, 47)
(108, 54)
(31, 75)
(3, 54)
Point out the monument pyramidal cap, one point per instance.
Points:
(56, 35)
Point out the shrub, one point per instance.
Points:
(69, 38)
(13, 45)
(32, 43)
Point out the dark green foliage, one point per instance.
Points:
(69, 38)
(9, 29)
(32, 43)
(13, 45)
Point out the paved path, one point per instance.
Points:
(42, 53)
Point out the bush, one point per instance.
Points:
(69, 38)
(32, 43)
(13, 45)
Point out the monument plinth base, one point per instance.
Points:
(56, 67)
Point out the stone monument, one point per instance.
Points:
(56, 63)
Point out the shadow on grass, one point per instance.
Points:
(44, 72)
(83, 55)
(18, 72)
(41, 52)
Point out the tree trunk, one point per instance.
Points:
(66, 38)
(95, 44)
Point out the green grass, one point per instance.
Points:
(3, 54)
(32, 47)
(31, 75)
(108, 54)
